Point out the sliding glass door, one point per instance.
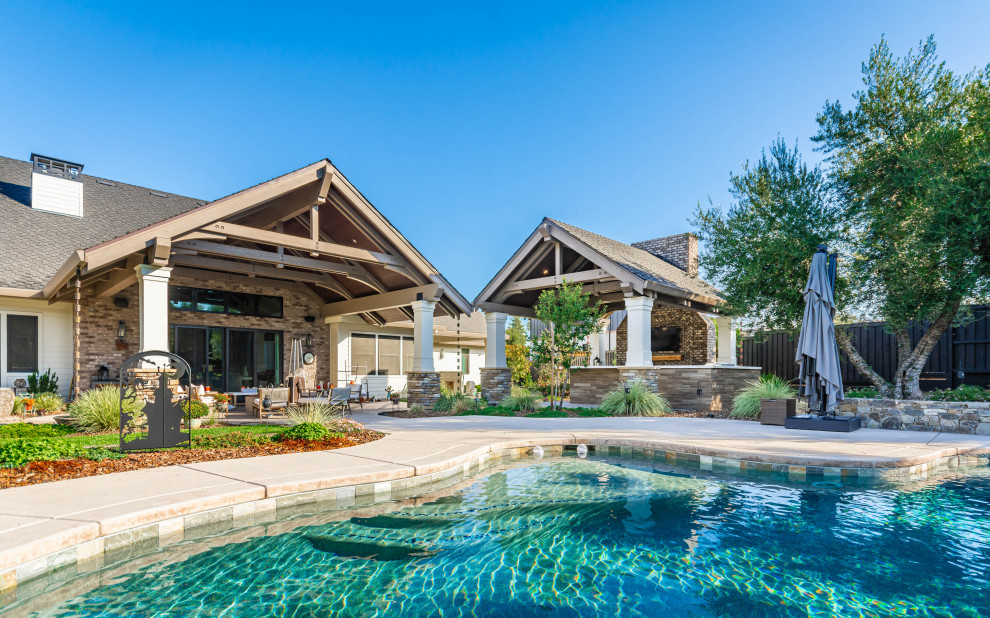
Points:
(229, 359)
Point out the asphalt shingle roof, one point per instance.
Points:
(34, 243)
(640, 262)
(472, 324)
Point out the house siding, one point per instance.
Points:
(54, 339)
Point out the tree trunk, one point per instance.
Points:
(903, 353)
(911, 369)
(842, 336)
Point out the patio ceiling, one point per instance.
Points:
(310, 227)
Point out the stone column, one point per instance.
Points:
(639, 310)
(153, 306)
(726, 341)
(496, 377)
(422, 383)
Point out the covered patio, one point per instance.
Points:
(290, 258)
(672, 337)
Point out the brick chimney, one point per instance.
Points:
(681, 250)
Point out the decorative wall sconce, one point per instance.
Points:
(121, 330)
(309, 341)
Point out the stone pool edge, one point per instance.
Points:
(85, 545)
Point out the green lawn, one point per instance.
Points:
(111, 439)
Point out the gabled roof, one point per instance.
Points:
(34, 243)
(134, 224)
(639, 262)
(608, 269)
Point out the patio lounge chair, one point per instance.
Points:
(279, 396)
(340, 398)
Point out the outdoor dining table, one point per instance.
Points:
(243, 394)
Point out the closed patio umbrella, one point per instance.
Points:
(817, 349)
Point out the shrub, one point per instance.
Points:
(18, 406)
(319, 413)
(98, 409)
(862, 393)
(747, 401)
(305, 431)
(195, 409)
(966, 392)
(639, 401)
(48, 401)
(44, 383)
(448, 400)
(463, 405)
(521, 399)
(17, 453)
(340, 426)
(30, 430)
(417, 409)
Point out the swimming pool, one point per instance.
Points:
(565, 536)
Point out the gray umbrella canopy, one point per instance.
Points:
(817, 350)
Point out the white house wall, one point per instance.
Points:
(54, 339)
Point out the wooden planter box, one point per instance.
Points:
(776, 411)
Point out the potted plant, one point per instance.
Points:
(28, 404)
(195, 411)
(220, 403)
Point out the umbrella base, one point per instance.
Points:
(824, 423)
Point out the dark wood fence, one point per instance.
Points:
(959, 357)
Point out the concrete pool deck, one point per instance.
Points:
(44, 527)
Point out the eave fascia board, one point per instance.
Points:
(496, 282)
(21, 293)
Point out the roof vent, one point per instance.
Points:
(56, 186)
(157, 194)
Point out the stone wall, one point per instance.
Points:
(496, 384)
(681, 250)
(946, 416)
(680, 385)
(98, 327)
(422, 388)
(697, 336)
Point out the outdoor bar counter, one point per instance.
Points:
(686, 387)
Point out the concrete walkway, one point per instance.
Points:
(75, 518)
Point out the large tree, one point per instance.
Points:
(909, 168)
(759, 250)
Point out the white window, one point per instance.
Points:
(381, 355)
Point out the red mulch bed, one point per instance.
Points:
(47, 471)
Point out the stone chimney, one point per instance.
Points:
(681, 250)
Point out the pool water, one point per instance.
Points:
(598, 537)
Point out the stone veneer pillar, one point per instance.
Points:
(639, 318)
(422, 383)
(153, 306)
(496, 377)
(726, 341)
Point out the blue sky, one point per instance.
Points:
(464, 123)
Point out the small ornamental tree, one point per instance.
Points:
(517, 358)
(570, 318)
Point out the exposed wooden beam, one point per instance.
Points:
(364, 276)
(199, 235)
(313, 245)
(555, 280)
(523, 312)
(257, 270)
(119, 280)
(377, 302)
(314, 228)
(212, 248)
(558, 260)
(200, 275)
(158, 251)
(325, 182)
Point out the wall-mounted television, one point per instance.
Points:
(665, 339)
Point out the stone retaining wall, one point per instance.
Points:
(946, 416)
(679, 384)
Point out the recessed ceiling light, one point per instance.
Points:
(546, 272)
(354, 240)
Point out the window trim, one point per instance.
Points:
(7, 377)
(403, 370)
